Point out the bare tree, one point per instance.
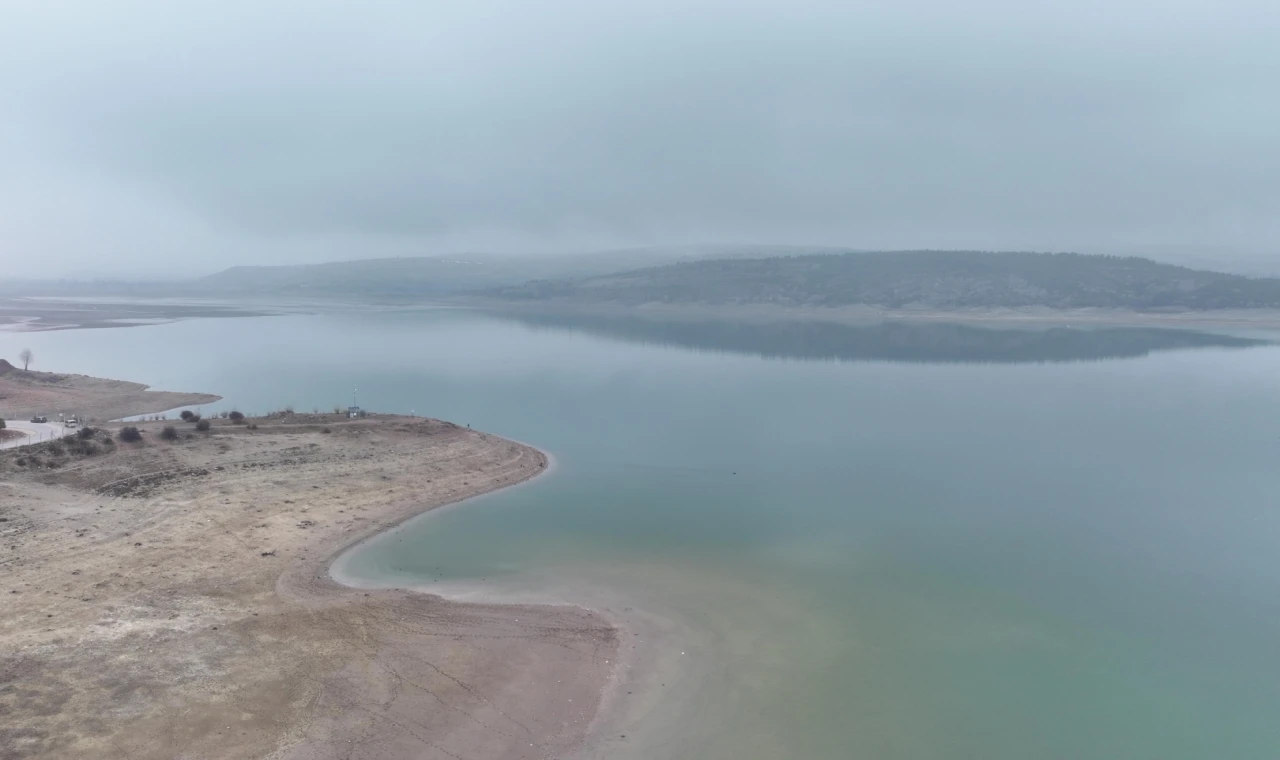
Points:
(26, 356)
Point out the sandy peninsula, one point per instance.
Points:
(24, 393)
(172, 599)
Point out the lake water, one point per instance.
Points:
(896, 543)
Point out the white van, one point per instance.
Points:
(71, 422)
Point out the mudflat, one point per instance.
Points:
(39, 314)
(24, 393)
(171, 598)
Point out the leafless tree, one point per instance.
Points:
(26, 356)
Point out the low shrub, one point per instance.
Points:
(1, 423)
(253, 426)
(202, 426)
(82, 447)
(170, 433)
(187, 415)
(326, 430)
(236, 417)
(130, 434)
(86, 433)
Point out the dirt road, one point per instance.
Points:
(33, 432)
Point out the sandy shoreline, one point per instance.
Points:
(651, 686)
(190, 610)
(23, 394)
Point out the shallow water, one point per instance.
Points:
(866, 546)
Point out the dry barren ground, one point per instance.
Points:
(23, 394)
(171, 599)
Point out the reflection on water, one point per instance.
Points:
(922, 342)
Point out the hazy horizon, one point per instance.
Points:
(152, 140)
(572, 263)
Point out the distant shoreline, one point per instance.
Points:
(755, 281)
(861, 314)
(40, 315)
(48, 314)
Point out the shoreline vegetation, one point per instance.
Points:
(173, 596)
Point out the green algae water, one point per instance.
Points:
(893, 542)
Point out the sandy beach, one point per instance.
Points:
(173, 598)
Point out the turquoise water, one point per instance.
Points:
(867, 546)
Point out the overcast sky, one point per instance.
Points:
(181, 136)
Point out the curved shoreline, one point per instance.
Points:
(647, 668)
(482, 594)
(192, 604)
(319, 580)
(375, 532)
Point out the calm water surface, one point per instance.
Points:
(871, 547)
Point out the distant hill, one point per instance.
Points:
(402, 279)
(918, 279)
(782, 275)
(369, 277)
(443, 275)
